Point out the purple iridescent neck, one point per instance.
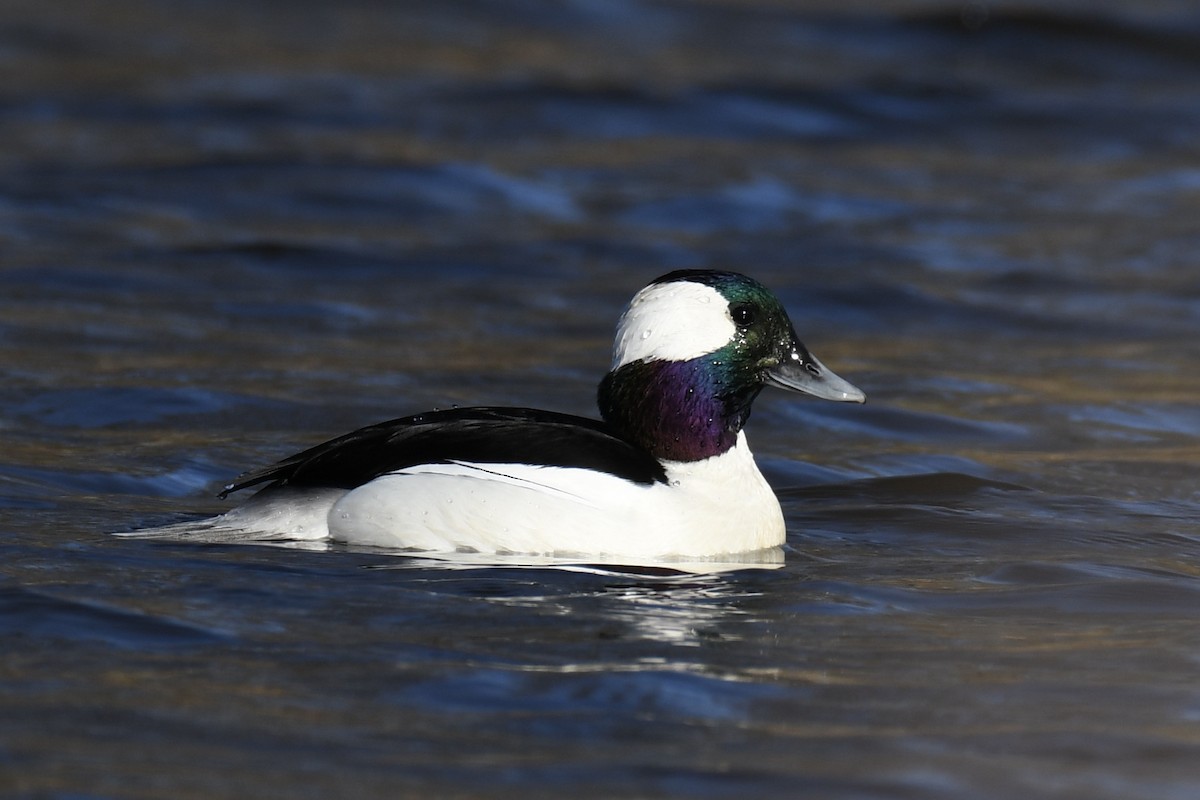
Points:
(676, 410)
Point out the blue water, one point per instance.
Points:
(232, 230)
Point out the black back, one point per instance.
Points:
(480, 435)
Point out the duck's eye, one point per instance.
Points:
(743, 314)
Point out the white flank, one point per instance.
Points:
(675, 321)
(718, 506)
(716, 509)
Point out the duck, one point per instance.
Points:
(665, 474)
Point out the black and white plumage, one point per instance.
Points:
(483, 435)
(665, 476)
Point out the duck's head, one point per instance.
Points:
(693, 350)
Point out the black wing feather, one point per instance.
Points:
(481, 435)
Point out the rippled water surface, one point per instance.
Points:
(230, 230)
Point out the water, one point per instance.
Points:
(231, 230)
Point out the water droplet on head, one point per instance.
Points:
(647, 333)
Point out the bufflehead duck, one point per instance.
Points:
(666, 476)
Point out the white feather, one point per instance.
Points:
(280, 514)
(718, 506)
(675, 321)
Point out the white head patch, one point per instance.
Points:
(675, 321)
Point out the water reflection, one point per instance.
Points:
(683, 603)
(768, 558)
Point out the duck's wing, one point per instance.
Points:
(473, 435)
